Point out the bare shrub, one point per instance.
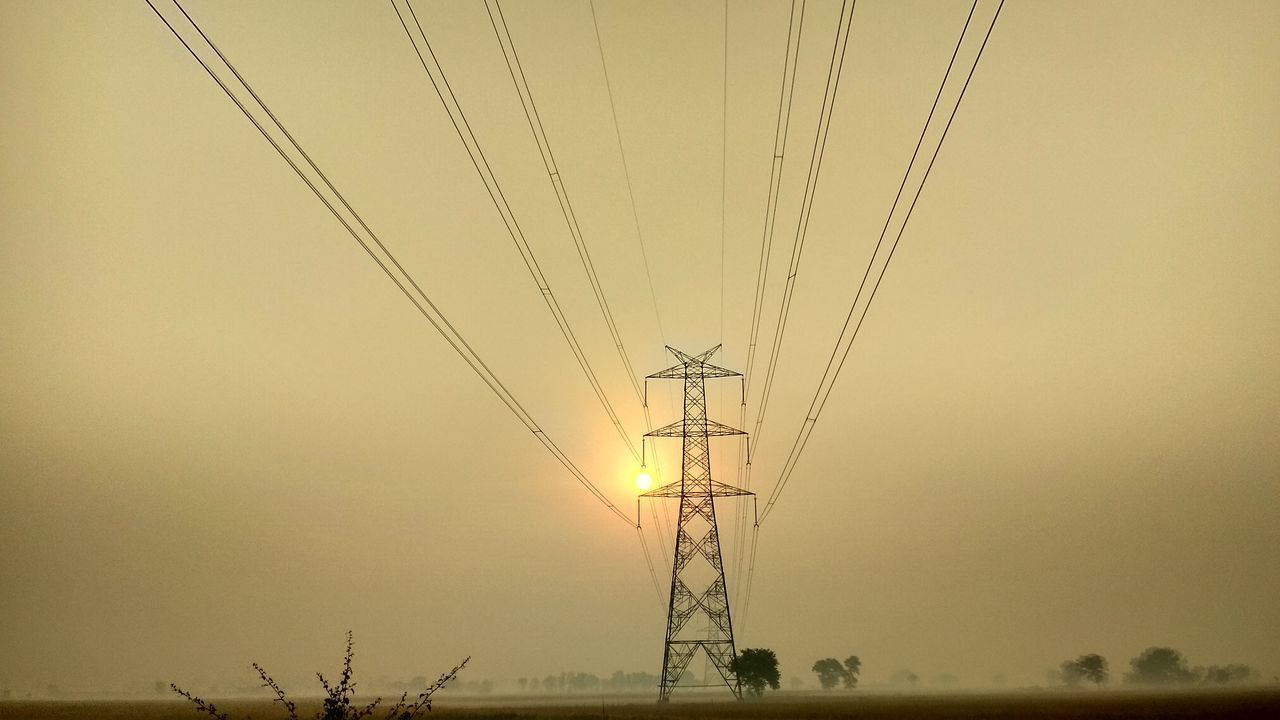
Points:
(339, 698)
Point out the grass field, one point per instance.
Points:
(1262, 703)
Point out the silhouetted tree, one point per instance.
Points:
(756, 668)
(1091, 667)
(852, 666)
(830, 672)
(1160, 666)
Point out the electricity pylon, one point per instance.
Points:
(697, 573)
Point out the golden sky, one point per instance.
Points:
(224, 436)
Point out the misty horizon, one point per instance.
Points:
(226, 438)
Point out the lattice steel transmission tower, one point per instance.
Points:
(698, 590)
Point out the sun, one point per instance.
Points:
(643, 481)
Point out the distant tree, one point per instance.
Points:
(1092, 667)
(904, 677)
(756, 668)
(1069, 672)
(830, 672)
(1227, 674)
(852, 666)
(524, 684)
(617, 682)
(580, 682)
(946, 679)
(642, 681)
(161, 687)
(1160, 666)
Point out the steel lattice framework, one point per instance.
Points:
(698, 590)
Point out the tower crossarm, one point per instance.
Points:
(693, 366)
(718, 489)
(677, 429)
(682, 371)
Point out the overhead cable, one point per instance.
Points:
(794, 30)
(724, 161)
(435, 72)
(516, 70)
(834, 70)
(369, 241)
(845, 340)
(785, 94)
(806, 206)
(626, 173)
(648, 559)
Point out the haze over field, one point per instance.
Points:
(225, 437)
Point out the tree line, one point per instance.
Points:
(1155, 666)
(757, 669)
(578, 682)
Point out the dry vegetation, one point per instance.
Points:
(1257, 703)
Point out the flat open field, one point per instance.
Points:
(1038, 705)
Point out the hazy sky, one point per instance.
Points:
(225, 436)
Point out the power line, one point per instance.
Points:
(806, 205)
(751, 574)
(648, 560)
(460, 124)
(724, 165)
(516, 70)
(724, 162)
(834, 71)
(626, 173)
(827, 382)
(385, 260)
(829, 375)
(786, 92)
(661, 533)
(795, 28)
